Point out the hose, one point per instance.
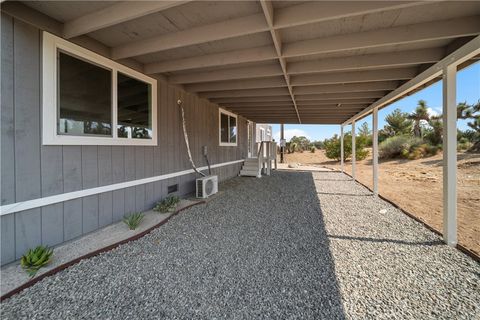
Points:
(185, 135)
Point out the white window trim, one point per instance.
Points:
(50, 136)
(230, 114)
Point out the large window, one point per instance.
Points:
(228, 128)
(91, 100)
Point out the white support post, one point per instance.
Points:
(341, 149)
(353, 150)
(450, 155)
(375, 151)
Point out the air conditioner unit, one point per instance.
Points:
(206, 186)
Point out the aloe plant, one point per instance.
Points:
(167, 205)
(133, 220)
(36, 258)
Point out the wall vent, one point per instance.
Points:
(173, 188)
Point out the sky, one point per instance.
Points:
(468, 89)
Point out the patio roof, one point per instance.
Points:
(279, 61)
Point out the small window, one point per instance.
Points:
(91, 100)
(134, 112)
(228, 128)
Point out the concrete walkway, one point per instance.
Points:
(296, 245)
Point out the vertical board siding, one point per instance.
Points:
(52, 183)
(7, 151)
(150, 197)
(139, 174)
(105, 177)
(72, 181)
(30, 170)
(118, 175)
(52, 224)
(90, 219)
(27, 128)
(7, 141)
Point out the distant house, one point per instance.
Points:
(263, 132)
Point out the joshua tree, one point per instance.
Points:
(420, 113)
(435, 133)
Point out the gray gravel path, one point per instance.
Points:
(262, 249)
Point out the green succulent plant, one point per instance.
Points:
(133, 220)
(167, 205)
(36, 258)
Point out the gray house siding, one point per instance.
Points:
(30, 170)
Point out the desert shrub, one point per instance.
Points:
(467, 135)
(361, 153)
(167, 205)
(464, 145)
(421, 151)
(332, 147)
(312, 149)
(318, 144)
(36, 258)
(398, 146)
(463, 140)
(300, 144)
(133, 220)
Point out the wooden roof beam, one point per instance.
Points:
(258, 104)
(265, 92)
(349, 87)
(271, 82)
(354, 76)
(114, 14)
(318, 11)
(206, 33)
(252, 99)
(368, 61)
(341, 96)
(427, 31)
(213, 60)
(337, 101)
(268, 13)
(228, 74)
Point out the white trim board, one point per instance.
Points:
(41, 202)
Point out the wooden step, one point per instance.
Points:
(249, 173)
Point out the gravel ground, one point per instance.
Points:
(263, 249)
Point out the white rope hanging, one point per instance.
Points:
(185, 135)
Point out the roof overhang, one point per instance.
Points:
(323, 62)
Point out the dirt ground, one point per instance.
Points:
(416, 186)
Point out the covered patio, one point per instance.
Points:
(306, 245)
(319, 246)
